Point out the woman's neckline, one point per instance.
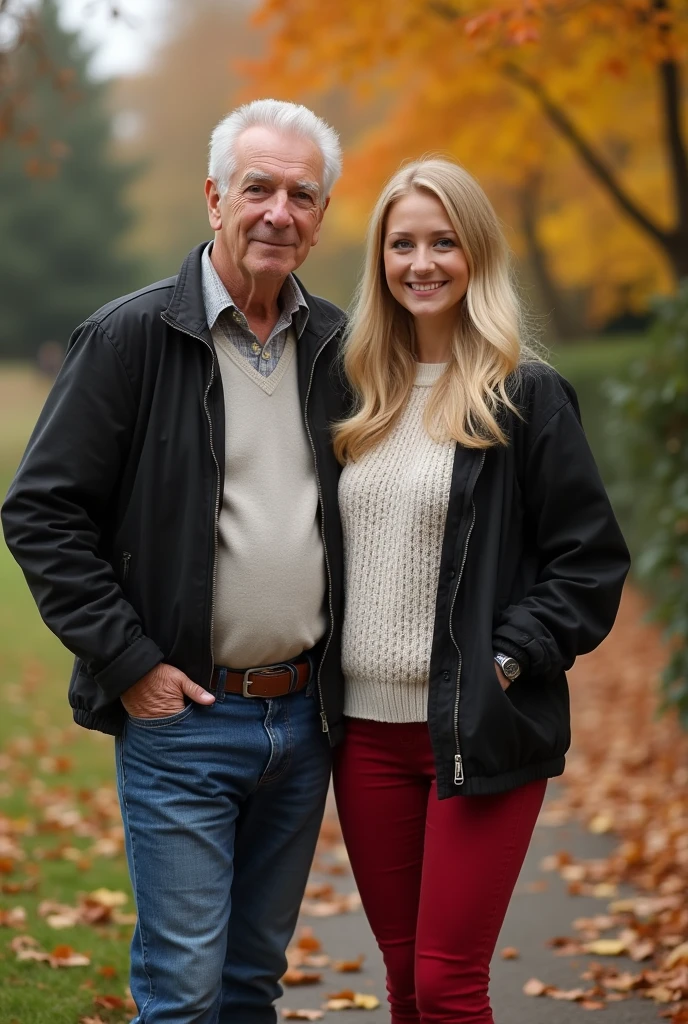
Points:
(428, 373)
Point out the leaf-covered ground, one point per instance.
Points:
(627, 775)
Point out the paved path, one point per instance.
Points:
(533, 918)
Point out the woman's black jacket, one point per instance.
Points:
(112, 517)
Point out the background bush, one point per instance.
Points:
(648, 445)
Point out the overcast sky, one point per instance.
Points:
(123, 45)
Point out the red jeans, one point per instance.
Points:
(435, 877)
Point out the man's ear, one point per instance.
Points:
(321, 214)
(213, 199)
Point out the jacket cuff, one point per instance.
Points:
(128, 667)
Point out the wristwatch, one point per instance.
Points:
(509, 666)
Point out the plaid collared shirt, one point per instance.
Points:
(223, 314)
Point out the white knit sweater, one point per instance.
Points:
(393, 504)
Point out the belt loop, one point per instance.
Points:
(221, 682)
(294, 681)
(311, 673)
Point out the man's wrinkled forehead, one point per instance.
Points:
(274, 158)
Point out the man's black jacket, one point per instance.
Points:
(112, 514)
(112, 517)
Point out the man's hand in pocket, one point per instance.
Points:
(161, 693)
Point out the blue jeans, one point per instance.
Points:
(221, 806)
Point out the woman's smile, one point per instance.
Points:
(421, 287)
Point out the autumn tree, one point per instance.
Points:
(584, 98)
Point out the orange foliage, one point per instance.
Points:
(474, 80)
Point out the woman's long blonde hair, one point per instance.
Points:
(466, 402)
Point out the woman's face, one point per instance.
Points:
(425, 266)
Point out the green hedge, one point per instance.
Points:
(648, 439)
(590, 366)
(634, 403)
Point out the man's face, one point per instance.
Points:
(270, 215)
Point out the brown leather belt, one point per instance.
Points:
(266, 681)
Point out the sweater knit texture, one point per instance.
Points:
(393, 504)
(270, 584)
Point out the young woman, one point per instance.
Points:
(482, 556)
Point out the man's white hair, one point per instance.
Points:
(283, 117)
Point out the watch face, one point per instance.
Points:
(510, 668)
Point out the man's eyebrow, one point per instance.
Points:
(264, 178)
(259, 176)
(309, 186)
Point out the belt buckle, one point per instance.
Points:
(270, 670)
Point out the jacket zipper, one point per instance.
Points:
(126, 559)
(458, 762)
(323, 714)
(199, 337)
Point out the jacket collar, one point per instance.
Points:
(187, 310)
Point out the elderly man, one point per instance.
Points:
(175, 515)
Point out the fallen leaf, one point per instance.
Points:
(14, 917)
(110, 1002)
(307, 940)
(302, 1014)
(509, 953)
(348, 966)
(534, 987)
(346, 993)
(678, 955)
(661, 994)
(601, 823)
(606, 947)
(108, 898)
(294, 976)
(366, 1002)
(571, 995)
(625, 982)
(73, 960)
(642, 950)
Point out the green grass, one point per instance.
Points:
(48, 763)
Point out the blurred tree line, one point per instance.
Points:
(63, 209)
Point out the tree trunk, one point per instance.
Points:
(562, 323)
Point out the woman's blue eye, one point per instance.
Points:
(445, 243)
(401, 243)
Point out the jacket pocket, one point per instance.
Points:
(504, 730)
(541, 709)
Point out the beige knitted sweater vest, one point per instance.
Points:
(270, 584)
(394, 505)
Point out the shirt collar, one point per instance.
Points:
(217, 299)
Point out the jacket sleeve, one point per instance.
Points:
(54, 511)
(583, 559)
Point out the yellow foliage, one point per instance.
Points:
(468, 79)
